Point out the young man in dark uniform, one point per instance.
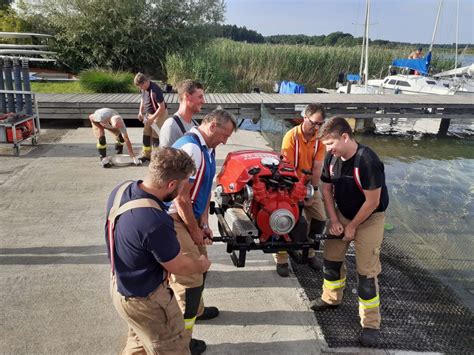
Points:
(353, 180)
(143, 250)
(152, 113)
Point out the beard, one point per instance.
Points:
(172, 195)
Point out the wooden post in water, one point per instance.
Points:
(443, 127)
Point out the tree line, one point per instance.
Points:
(138, 35)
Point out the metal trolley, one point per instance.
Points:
(20, 127)
(18, 106)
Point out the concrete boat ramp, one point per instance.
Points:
(54, 274)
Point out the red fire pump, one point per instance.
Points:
(259, 200)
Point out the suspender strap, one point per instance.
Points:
(297, 148)
(117, 210)
(331, 165)
(356, 171)
(179, 123)
(357, 159)
(200, 170)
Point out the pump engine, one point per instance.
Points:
(259, 200)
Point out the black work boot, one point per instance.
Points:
(197, 346)
(319, 305)
(314, 263)
(209, 313)
(144, 158)
(283, 270)
(369, 337)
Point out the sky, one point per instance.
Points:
(394, 20)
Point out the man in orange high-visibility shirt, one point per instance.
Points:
(301, 148)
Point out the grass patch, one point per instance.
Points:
(69, 87)
(104, 81)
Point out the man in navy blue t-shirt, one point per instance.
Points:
(143, 248)
(153, 113)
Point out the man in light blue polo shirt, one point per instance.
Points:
(190, 211)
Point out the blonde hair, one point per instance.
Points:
(140, 79)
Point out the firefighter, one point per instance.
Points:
(108, 119)
(152, 113)
(142, 248)
(191, 99)
(190, 212)
(301, 148)
(353, 180)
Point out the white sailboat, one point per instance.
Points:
(411, 85)
(406, 83)
(461, 79)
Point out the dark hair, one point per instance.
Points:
(221, 117)
(420, 48)
(311, 109)
(168, 164)
(335, 127)
(188, 86)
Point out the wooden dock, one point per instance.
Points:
(283, 106)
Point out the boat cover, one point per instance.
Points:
(421, 65)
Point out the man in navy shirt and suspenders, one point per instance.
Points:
(190, 213)
(191, 99)
(143, 248)
(353, 180)
(152, 113)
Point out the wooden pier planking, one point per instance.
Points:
(283, 106)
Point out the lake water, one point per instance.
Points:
(431, 186)
(465, 60)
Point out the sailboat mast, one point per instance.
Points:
(366, 68)
(364, 40)
(436, 25)
(362, 58)
(457, 32)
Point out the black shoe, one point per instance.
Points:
(319, 305)
(143, 158)
(314, 263)
(197, 346)
(369, 337)
(209, 313)
(283, 270)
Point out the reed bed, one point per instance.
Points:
(228, 66)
